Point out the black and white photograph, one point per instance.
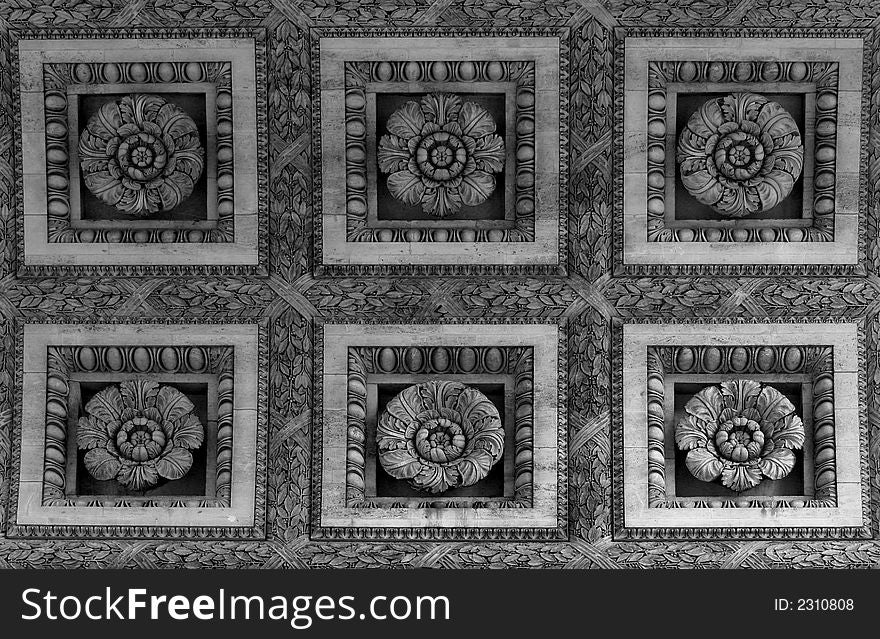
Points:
(439, 284)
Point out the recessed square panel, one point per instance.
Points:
(494, 380)
(740, 430)
(445, 150)
(196, 199)
(142, 152)
(730, 151)
(440, 430)
(141, 429)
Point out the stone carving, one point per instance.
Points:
(740, 154)
(741, 431)
(64, 81)
(141, 154)
(440, 435)
(514, 363)
(784, 76)
(441, 153)
(662, 296)
(519, 134)
(139, 433)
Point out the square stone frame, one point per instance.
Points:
(635, 254)
(546, 519)
(810, 367)
(212, 365)
(547, 48)
(362, 83)
(244, 49)
(368, 366)
(818, 85)
(245, 518)
(634, 516)
(74, 218)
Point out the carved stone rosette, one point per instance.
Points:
(442, 153)
(722, 408)
(489, 151)
(785, 77)
(139, 433)
(440, 435)
(110, 169)
(740, 154)
(141, 154)
(103, 417)
(740, 432)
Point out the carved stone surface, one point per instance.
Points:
(798, 195)
(742, 432)
(703, 379)
(168, 436)
(440, 150)
(139, 433)
(445, 373)
(441, 153)
(440, 435)
(740, 154)
(140, 156)
(585, 252)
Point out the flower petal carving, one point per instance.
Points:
(475, 121)
(138, 476)
(441, 153)
(476, 188)
(691, 432)
(741, 430)
(489, 154)
(739, 478)
(441, 201)
(393, 154)
(407, 121)
(703, 464)
(101, 464)
(93, 433)
(141, 154)
(773, 406)
(139, 433)
(440, 435)
(740, 154)
(406, 186)
(107, 405)
(789, 432)
(187, 432)
(175, 463)
(778, 463)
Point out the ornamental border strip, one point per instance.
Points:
(815, 360)
(867, 176)
(338, 533)
(65, 360)
(372, 270)
(258, 531)
(60, 226)
(621, 533)
(259, 36)
(822, 229)
(364, 361)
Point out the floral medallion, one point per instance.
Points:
(440, 435)
(741, 431)
(441, 153)
(141, 154)
(139, 433)
(740, 154)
